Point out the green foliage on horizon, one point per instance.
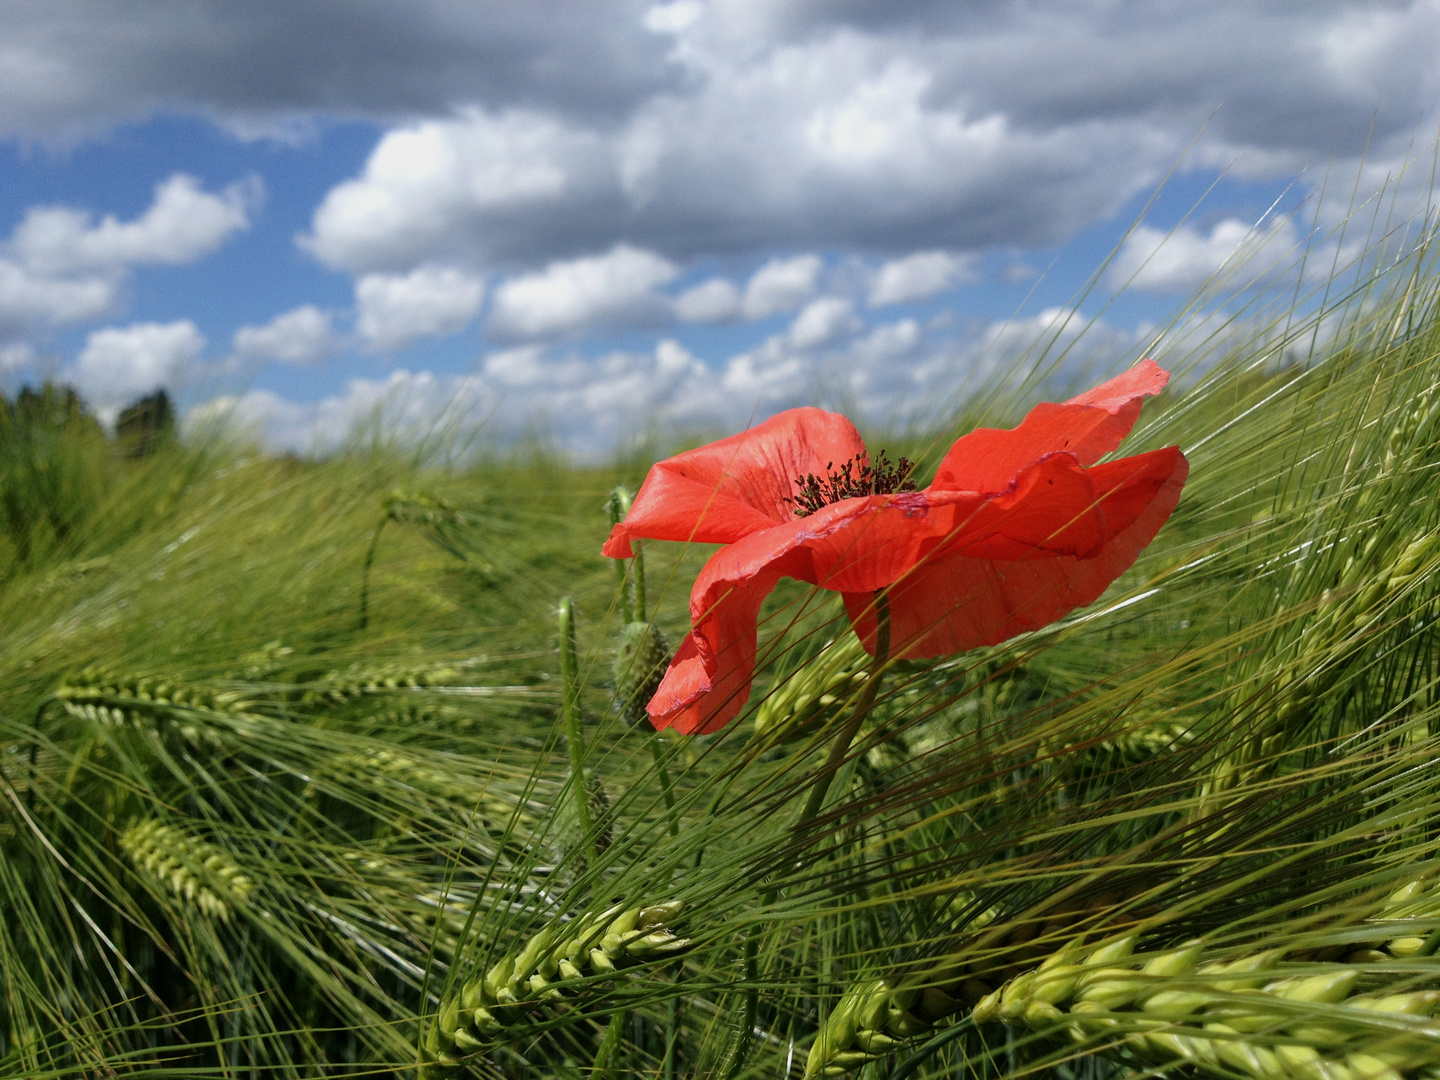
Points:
(247, 829)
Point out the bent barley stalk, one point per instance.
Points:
(1145, 742)
(824, 683)
(487, 1009)
(877, 1016)
(199, 714)
(339, 687)
(1169, 1008)
(409, 770)
(197, 871)
(1322, 658)
(423, 508)
(1369, 580)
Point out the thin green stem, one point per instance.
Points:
(570, 718)
(622, 582)
(637, 578)
(365, 573)
(619, 506)
(609, 1048)
(667, 790)
(841, 746)
(1430, 944)
(672, 1032)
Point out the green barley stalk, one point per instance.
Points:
(1341, 631)
(194, 870)
(417, 509)
(560, 962)
(1178, 1007)
(1254, 1015)
(198, 714)
(363, 680)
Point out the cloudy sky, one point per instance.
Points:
(608, 220)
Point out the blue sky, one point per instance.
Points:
(617, 219)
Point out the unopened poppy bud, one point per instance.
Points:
(640, 663)
(602, 823)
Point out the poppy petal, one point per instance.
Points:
(872, 539)
(877, 540)
(1089, 426)
(995, 588)
(708, 681)
(732, 488)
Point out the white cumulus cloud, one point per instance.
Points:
(182, 224)
(430, 190)
(919, 276)
(781, 285)
(120, 363)
(716, 300)
(579, 294)
(396, 310)
(61, 267)
(28, 299)
(301, 336)
(823, 321)
(1184, 259)
(890, 375)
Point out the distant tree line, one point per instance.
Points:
(56, 461)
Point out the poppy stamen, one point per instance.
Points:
(856, 478)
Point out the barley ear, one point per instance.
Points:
(560, 963)
(198, 872)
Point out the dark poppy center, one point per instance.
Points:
(854, 479)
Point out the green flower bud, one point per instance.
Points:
(640, 663)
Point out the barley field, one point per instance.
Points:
(341, 768)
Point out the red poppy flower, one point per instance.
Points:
(1018, 528)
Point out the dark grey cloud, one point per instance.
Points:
(1307, 75)
(522, 134)
(68, 64)
(889, 127)
(1320, 78)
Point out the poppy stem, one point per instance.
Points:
(745, 1033)
(574, 737)
(637, 578)
(618, 504)
(841, 746)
